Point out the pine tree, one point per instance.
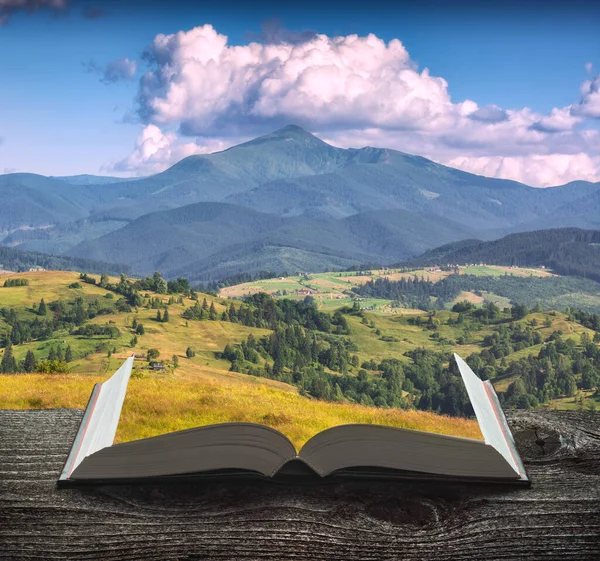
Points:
(8, 365)
(52, 354)
(134, 341)
(189, 352)
(140, 329)
(134, 324)
(204, 304)
(166, 316)
(59, 353)
(175, 361)
(158, 316)
(42, 311)
(69, 354)
(212, 313)
(29, 364)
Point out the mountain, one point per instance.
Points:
(301, 187)
(197, 238)
(30, 201)
(567, 251)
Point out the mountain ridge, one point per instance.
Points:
(293, 175)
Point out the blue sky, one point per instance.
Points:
(58, 117)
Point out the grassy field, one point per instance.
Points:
(159, 405)
(497, 270)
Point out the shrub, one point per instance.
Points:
(52, 367)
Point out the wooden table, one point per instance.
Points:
(558, 518)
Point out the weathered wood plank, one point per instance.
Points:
(558, 518)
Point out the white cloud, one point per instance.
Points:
(154, 151)
(10, 7)
(588, 67)
(538, 170)
(489, 114)
(352, 91)
(589, 106)
(559, 120)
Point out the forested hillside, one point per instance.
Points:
(567, 251)
(12, 259)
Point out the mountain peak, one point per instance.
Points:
(291, 132)
(292, 129)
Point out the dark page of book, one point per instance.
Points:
(231, 446)
(357, 446)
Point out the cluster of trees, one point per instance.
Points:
(305, 350)
(261, 310)
(300, 356)
(130, 289)
(240, 278)
(560, 368)
(409, 292)
(204, 311)
(589, 320)
(507, 339)
(97, 330)
(52, 317)
(15, 282)
(57, 361)
(320, 367)
(164, 318)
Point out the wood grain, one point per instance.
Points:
(558, 518)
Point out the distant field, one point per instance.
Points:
(497, 270)
(332, 290)
(159, 405)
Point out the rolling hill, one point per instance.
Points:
(390, 357)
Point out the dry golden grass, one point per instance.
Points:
(469, 297)
(159, 405)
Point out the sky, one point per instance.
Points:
(505, 89)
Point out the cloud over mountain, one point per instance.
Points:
(347, 90)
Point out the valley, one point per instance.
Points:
(216, 359)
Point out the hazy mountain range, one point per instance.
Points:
(284, 201)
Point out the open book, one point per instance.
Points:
(247, 449)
